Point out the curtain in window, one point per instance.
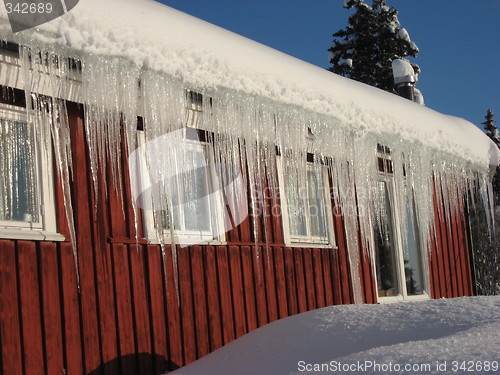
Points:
(18, 181)
(296, 204)
(190, 194)
(316, 207)
(306, 208)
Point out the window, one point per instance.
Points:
(194, 110)
(190, 194)
(412, 254)
(26, 190)
(398, 257)
(182, 194)
(305, 205)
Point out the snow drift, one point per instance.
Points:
(419, 334)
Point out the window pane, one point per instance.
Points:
(173, 193)
(316, 207)
(18, 179)
(195, 193)
(413, 255)
(384, 244)
(296, 204)
(191, 208)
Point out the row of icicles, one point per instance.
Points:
(246, 130)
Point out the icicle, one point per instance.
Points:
(245, 131)
(50, 120)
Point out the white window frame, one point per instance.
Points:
(402, 296)
(46, 228)
(216, 234)
(307, 241)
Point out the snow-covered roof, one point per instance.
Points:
(203, 55)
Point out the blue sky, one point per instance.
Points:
(459, 41)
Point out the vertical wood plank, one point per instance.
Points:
(140, 308)
(335, 265)
(10, 337)
(318, 277)
(266, 213)
(199, 300)
(213, 300)
(433, 281)
(340, 286)
(232, 230)
(72, 328)
(158, 309)
(275, 212)
(458, 255)
(245, 229)
(187, 313)
(280, 282)
(271, 295)
(461, 255)
(173, 311)
(298, 257)
(344, 276)
(291, 284)
(60, 210)
(51, 308)
(30, 307)
(107, 313)
(309, 277)
(439, 251)
(237, 291)
(248, 283)
(445, 249)
(225, 291)
(102, 213)
(124, 313)
(83, 224)
(260, 285)
(464, 255)
(452, 248)
(329, 285)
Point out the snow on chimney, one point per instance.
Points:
(404, 78)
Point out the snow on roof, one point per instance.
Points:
(203, 55)
(415, 333)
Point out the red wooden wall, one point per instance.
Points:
(449, 264)
(133, 313)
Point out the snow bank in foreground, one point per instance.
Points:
(160, 38)
(415, 334)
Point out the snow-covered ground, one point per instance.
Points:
(448, 336)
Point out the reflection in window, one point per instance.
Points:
(412, 254)
(385, 255)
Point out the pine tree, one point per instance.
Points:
(373, 38)
(484, 240)
(491, 129)
(492, 132)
